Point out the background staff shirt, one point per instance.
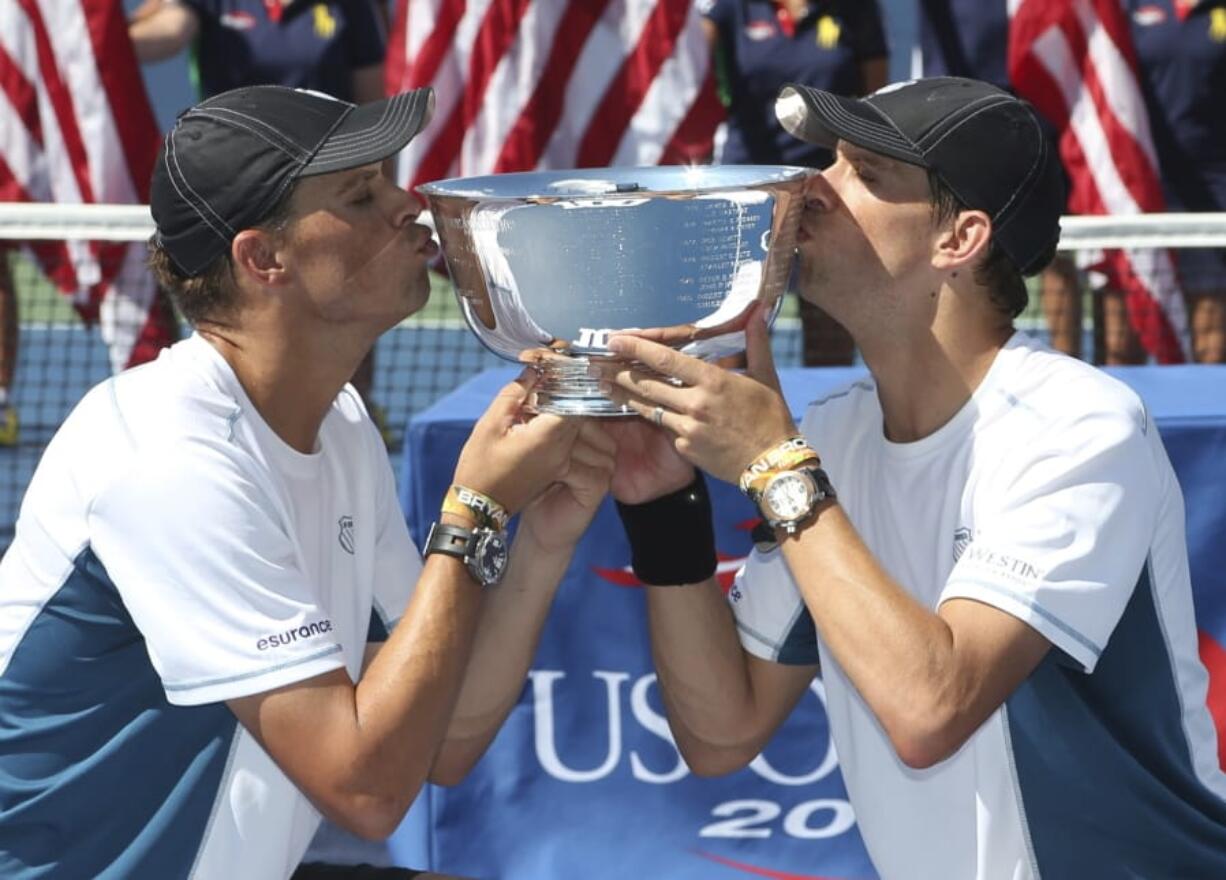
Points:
(307, 44)
(758, 57)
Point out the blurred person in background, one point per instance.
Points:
(970, 38)
(332, 46)
(1181, 59)
(762, 45)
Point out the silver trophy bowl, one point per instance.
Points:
(548, 265)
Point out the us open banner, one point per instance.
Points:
(584, 782)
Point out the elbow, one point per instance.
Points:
(449, 771)
(455, 758)
(447, 776)
(371, 807)
(708, 760)
(921, 752)
(372, 819)
(926, 735)
(707, 767)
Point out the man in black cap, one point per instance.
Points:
(213, 623)
(986, 563)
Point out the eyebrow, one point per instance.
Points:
(859, 154)
(354, 181)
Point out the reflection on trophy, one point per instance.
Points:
(548, 265)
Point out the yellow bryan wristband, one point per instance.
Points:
(475, 505)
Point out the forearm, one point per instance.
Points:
(405, 698)
(899, 655)
(702, 669)
(513, 616)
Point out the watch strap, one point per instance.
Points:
(482, 550)
(450, 540)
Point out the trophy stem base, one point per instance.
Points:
(565, 389)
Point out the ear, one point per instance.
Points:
(255, 254)
(962, 241)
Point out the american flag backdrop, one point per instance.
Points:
(528, 84)
(1073, 59)
(76, 127)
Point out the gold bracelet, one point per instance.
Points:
(481, 508)
(786, 456)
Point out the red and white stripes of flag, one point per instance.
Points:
(77, 128)
(1073, 59)
(529, 84)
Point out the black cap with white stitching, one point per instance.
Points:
(228, 161)
(986, 145)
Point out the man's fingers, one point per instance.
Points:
(595, 433)
(642, 386)
(548, 428)
(589, 456)
(660, 416)
(759, 360)
(584, 478)
(660, 358)
(512, 396)
(677, 334)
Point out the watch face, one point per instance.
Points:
(489, 559)
(788, 496)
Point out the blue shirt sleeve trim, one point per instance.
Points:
(1037, 609)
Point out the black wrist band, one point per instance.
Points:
(672, 539)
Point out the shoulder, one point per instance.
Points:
(845, 402)
(180, 421)
(1057, 420)
(1050, 389)
(182, 395)
(124, 420)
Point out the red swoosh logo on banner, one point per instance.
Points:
(725, 570)
(1213, 655)
(759, 872)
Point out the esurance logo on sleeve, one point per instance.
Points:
(295, 634)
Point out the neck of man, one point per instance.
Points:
(292, 378)
(928, 366)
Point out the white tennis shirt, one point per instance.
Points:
(1049, 496)
(172, 553)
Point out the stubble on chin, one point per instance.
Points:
(417, 293)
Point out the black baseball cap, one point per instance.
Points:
(985, 144)
(228, 161)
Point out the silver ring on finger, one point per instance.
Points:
(657, 416)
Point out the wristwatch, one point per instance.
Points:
(788, 498)
(483, 550)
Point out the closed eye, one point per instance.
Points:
(863, 174)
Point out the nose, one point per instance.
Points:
(403, 206)
(819, 193)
